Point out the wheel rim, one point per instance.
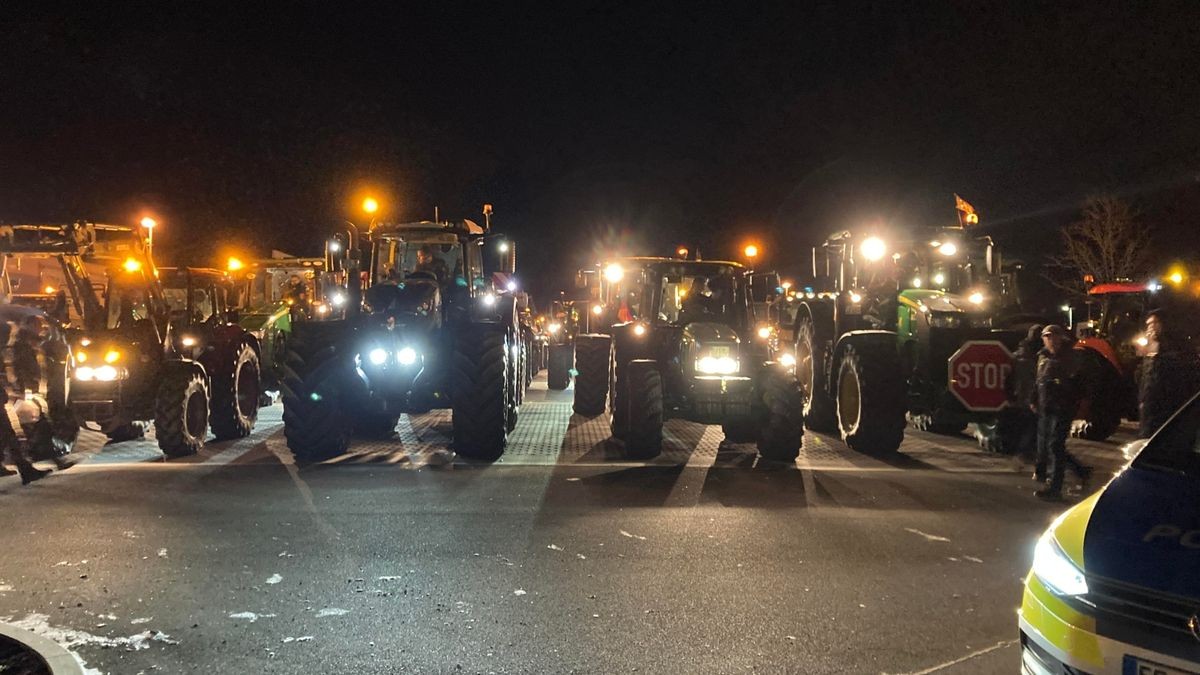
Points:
(247, 389)
(196, 414)
(849, 402)
(806, 374)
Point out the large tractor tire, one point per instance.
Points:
(236, 388)
(741, 430)
(558, 371)
(516, 380)
(871, 400)
(480, 392)
(1101, 407)
(181, 412)
(591, 379)
(314, 422)
(783, 423)
(820, 410)
(644, 419)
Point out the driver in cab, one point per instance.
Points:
(429, 263)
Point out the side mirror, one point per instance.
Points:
(763, 287)
(994, 263)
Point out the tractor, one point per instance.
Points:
(891, 332)
(561, 327)
(274, 293)
(1112, 342)
(677, 338)
(415, 323)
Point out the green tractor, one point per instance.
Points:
(917, 324)
(678, 339)
(414, 323)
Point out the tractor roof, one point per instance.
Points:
(647, 261)
(1118, 287)
(465, 227)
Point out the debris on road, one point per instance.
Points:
(162, 552)
(332, 611)
(973, 558)
(303, 638)
(928, 537)
(250, 616)
(389, 578)
(632, 536)
(554, 547)
(519, 591)
(141, 620)
(39, 624)
(274, 579)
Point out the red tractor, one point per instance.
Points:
(1112, 343)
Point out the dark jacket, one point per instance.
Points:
(1168, 379)
(1058, 381)
(1021, 386)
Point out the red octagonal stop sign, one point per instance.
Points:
(977, 373)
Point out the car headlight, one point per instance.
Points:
(1055, 569)
(945, 320)
(717, 365)
(406, 356)
(377, 356)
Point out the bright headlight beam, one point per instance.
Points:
(948, 249)
(764, 332)
(106, 373)
(614, 273)
(787, 360)
(873, 249)
(716, 365)
(639, 330)
(377, 356)
(975, 298)
(406, 356)
(1056, 571)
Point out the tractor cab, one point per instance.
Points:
(200, 303)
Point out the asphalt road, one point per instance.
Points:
(561, 558)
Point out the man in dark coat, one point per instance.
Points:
(1170, 373)
(1058, 395)
(1020, 418)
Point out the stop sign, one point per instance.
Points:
(977, 374)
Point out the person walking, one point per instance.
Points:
(10, 443)
(1057, 395)
(1170, 372)
(1020, 417)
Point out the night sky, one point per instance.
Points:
(593, 125)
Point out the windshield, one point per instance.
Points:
(423, 255)
(127, 305)
(201, 309)
(1176, 447)
(713, 296)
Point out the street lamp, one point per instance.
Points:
(149, 223)
(751, 251)
(370, 205)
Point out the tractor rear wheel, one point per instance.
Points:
(871, 401)
(820, 411)
(314, 422)
(236, 388)
(644, 418)
(181, 412)
(783, 425)
(480, 392)
(591, 379)
(558, 371)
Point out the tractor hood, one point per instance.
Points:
(418, 298)
(938, 301)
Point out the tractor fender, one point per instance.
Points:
(881, 338)
(1103, 349)
(185, 365)
(820, 312)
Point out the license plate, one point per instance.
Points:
(718, 352)
(1136, 666)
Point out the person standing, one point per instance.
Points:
(1058, 395)
(1170, 372)
(1020, 417)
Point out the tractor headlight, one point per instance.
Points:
(105, 373)
(597, 309)
(855, 297)
(716, 365)
(639, 329)
(554, 328)
(188, 341)
(975, 298)
(377, 356)
(337, 299)
(873, 249)
(406, 356)
(764, 332)
(489, 300)
(948, 249)
(945, 320)
(1055, 569)
(787, 360)
(614, 273)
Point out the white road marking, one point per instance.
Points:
(968, 657)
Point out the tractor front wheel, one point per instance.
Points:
(181, 412)
(871, 402)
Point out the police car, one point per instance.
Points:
(1115, 583)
